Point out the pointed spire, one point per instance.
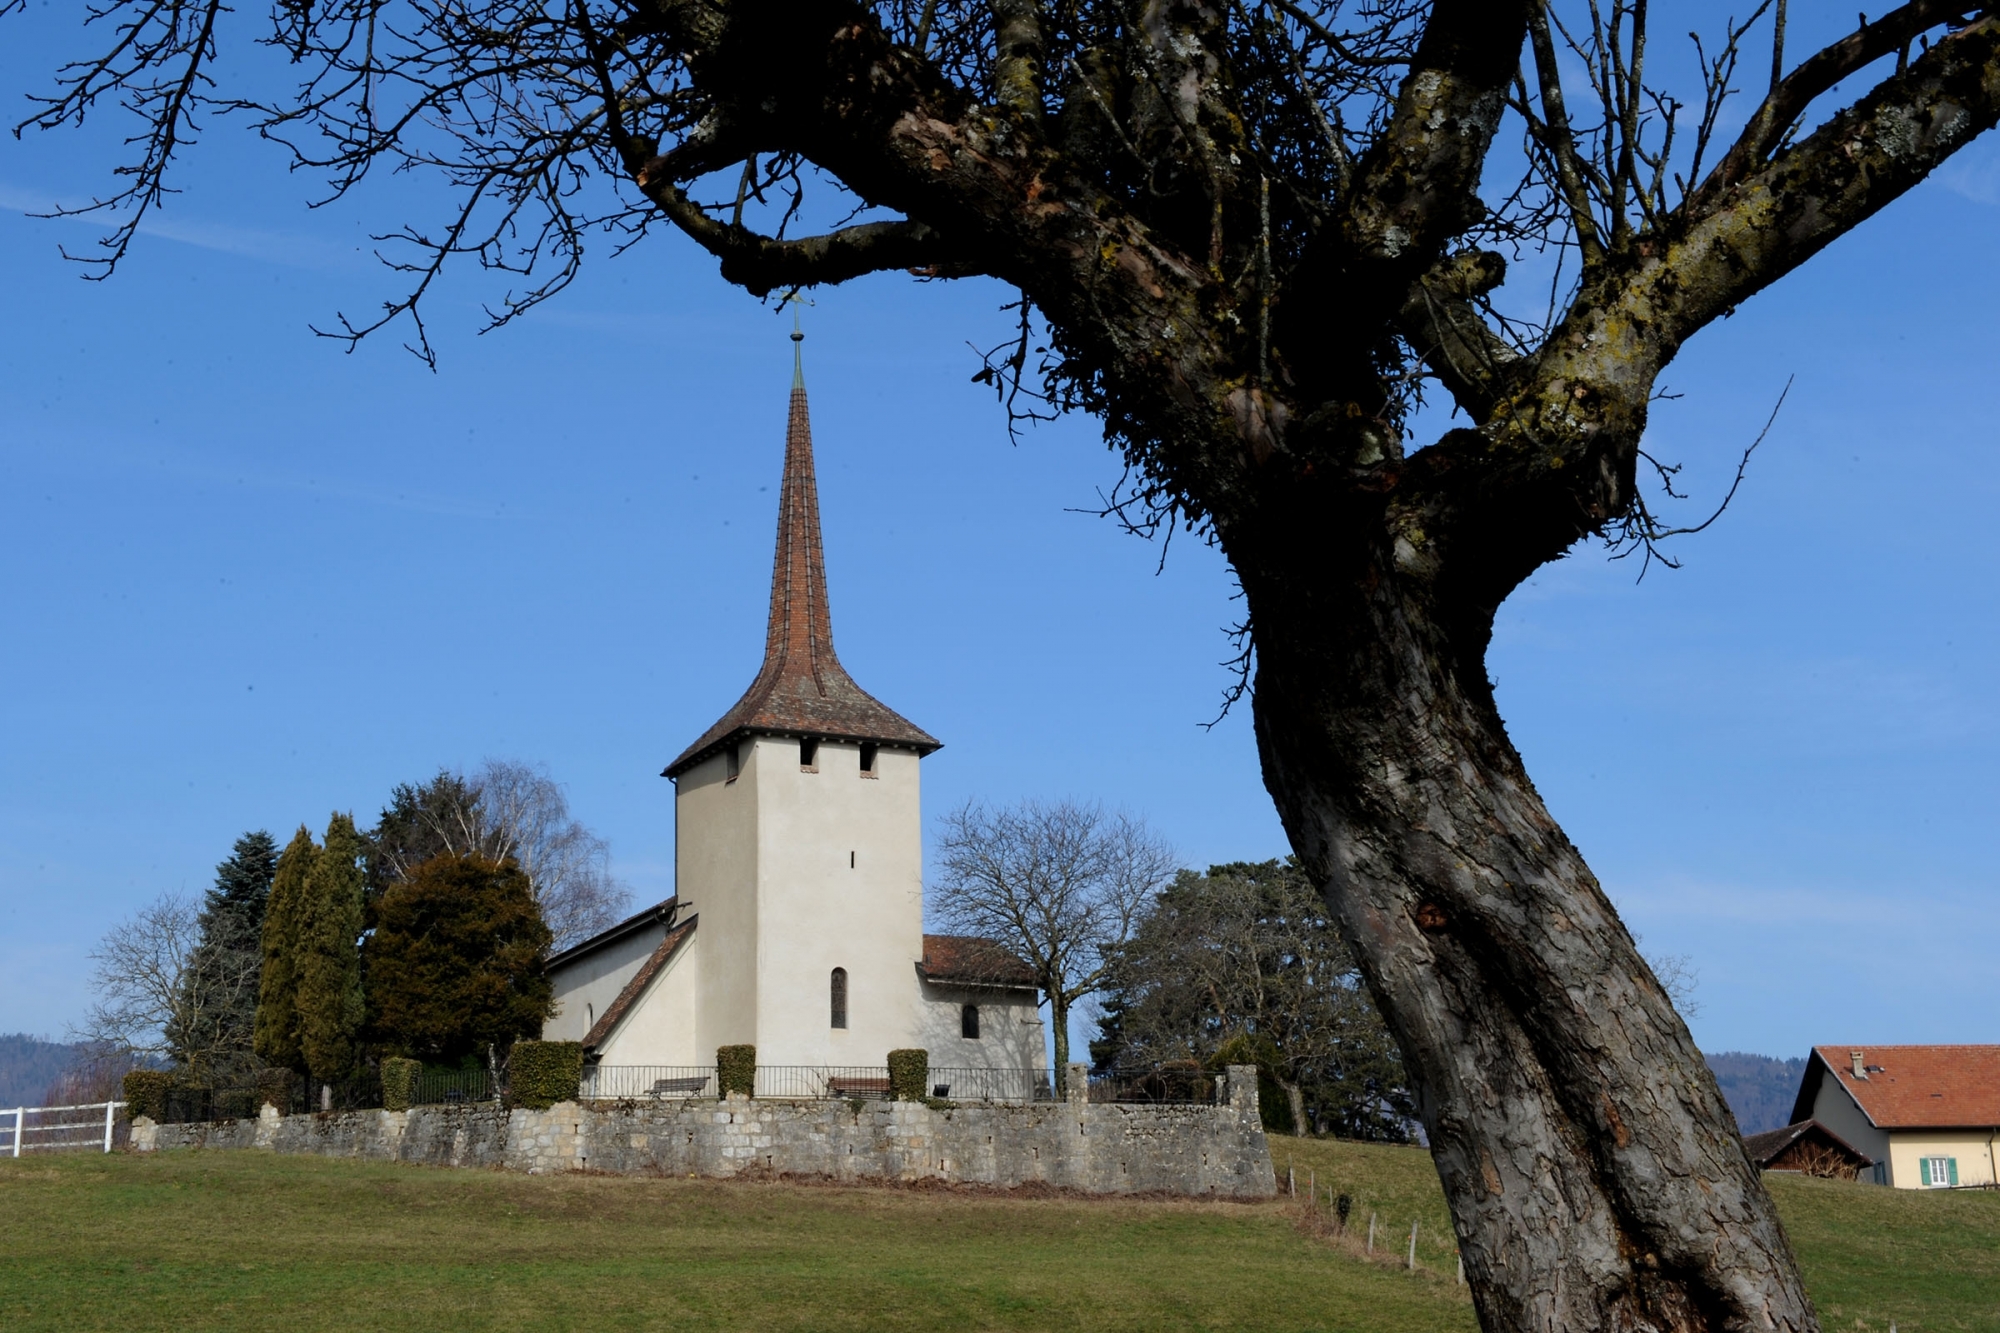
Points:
(802, 689)
(800, 633)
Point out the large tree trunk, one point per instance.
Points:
(1595, 1175)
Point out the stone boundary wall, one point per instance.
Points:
(1216, 1151)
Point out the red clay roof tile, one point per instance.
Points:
(802, 689)
(969, 960)
(1921, 1087)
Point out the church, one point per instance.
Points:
(796, 923)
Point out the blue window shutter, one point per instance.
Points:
(1951, 1164)
(1924, 1169)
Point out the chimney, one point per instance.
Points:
(1860, 1069)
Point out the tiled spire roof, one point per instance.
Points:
(802, 688)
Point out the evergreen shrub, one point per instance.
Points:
(454, 965)
(146, 1093)
(542, 1073)
(736, 1070)
(909, 1075)
(399, 1082)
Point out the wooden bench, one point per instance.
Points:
(858, 1087)
(678, 1086)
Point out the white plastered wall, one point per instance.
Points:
(1011, 1032)
(586, 987)
(1835, 1108)
(1973, 1149)
(715, 875)
(839, 884)
(662, 1026)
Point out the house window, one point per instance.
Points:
(590, 1014)
(732, 763)
(839, 989)
(809, 756)
(968, 1021)
(868, 760)
(1939, 1172)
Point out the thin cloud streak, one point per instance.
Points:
(273, 247)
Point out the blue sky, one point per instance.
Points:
(251, 580)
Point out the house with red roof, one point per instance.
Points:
(1929, 1116)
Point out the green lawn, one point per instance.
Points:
(245, 1240)
(1925, 1260)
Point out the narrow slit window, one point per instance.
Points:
(968, 1021)
(867, 760)
(839, 989)
(732, 759)
(809, 756)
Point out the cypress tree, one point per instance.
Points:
(277, 1030)
(330, 1010)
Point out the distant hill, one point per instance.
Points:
(28, 1065)
(1760, 1089)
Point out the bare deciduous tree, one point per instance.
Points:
(1059, 883)
(1258, 234)
(508, 809)
(97, 1075)
(161, 988)
(569, 865)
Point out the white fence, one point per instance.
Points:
(30, 1128)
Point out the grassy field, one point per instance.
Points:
(1924, 1260)
(252, 1241)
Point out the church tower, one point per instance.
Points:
(798, 829)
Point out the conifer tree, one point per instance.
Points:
(277, 1028)
(219, 996)
(243, 882)
(328, 995)
(455, 961)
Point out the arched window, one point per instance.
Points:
(840, 997)
(968, 1021)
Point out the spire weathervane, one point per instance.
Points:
(795, 301)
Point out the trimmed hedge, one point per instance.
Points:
(146, 1093)
(399, 1082)
(909, 1075)
(542, 1073)
(736, 1070)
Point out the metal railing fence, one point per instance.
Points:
(1165, 1086)
(359, 1092)
(639, 1082)
(185, 1103)
(810, 1082)
(991, 1085)
(452, 1087)
(85, 1130)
